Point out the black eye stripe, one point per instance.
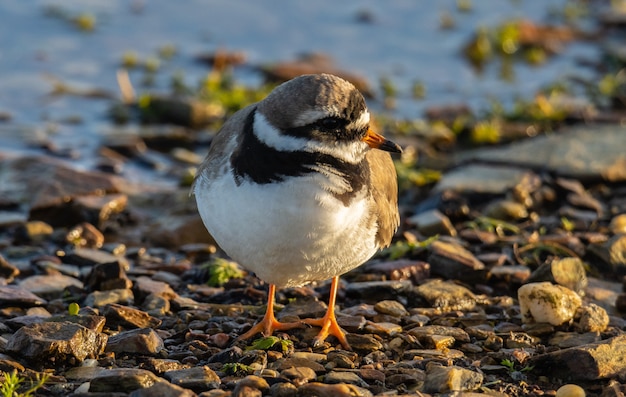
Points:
(331, 123)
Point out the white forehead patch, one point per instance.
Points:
(272, 137)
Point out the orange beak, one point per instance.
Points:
(378, 141)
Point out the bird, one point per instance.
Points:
(297, 188)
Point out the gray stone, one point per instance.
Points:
(344, 377)
(446, 295)
(444, 379)
(299, 375)
(402, 269)
(506, 209)
(143, 341)
(11, 295)
(425, 333)
(590, 152)
(107, 297)
(162, 389)
(432, 222)
(391, 307)
(378, 290)
(129, 317)
(49, 286)
(92, 257)
(197, 378)
(316, 389)
(122, 380)
(479, 178)
(56, 341)
(594, 361)
(455, 262)
(591, 318)
(568, 272)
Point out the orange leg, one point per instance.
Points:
(329, 321)
(269, 324)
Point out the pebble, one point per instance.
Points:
(568, 272)
(592, 318)
(546, 302)
(162, 389)
(391, 307)
(128, 317)
(454, 262)
(143, 341)
(618, 224)
(107, 297)
(445, 379)
(123, 380)
(432, 222)
(197, 378)
(315, 389)
(570, 390)
(49, 286)
(446, 295)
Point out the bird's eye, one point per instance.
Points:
(331, 123)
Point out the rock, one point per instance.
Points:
(425, 334)
(572, 339)
(618, 224)
(445, 379)
(350, 378)
(364, 343)
(568, 272)
(508, 210)
(446, 295)
(123, 380)
(374, 291)
(61, 342)
(36, 231)
(594, 361)
(85, 235)
(93, 257)
(197, 379)
(306, 307)
(103, 298)
(391, 307)
(592, 318)
(283, 390)
(7, 270)
(613, 253)
(161, 365)
(343, 359)
(455, 262)
(402, 269)
(570, 390)
(11, 295)
(162, 389)
(251, 384)
(315, 389)
(546, 302)
(589, 152)
(432, 222)
(97, 210)
(145, 286)
(49, 286)
(299, 375)
(485, 179)
(127, 317)
(297, 362)
(144, 341)
(107, 276)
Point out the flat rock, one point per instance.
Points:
(374, 291)
(484, 179)
(196, 378)
(594, 361)
(107, 297)
(129, 317)
(402, 269)
(445, 379)
(49, 286)
(56, 341)
(316, 389)
(455, 262)
(162, 389)
(446, 295)
(122, 380)
(92, 257)
(344, 377)
(143, 341)
(591, 152)
(11, 295)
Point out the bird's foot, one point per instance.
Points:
(329, 327)
(267, 326)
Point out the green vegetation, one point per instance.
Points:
(268, 342)
(73, 309)
(12, 383)
(221, 271)
(237, 368)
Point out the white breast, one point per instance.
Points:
(288, 233)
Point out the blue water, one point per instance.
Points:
(404, 42)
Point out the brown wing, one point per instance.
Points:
(385, 195)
